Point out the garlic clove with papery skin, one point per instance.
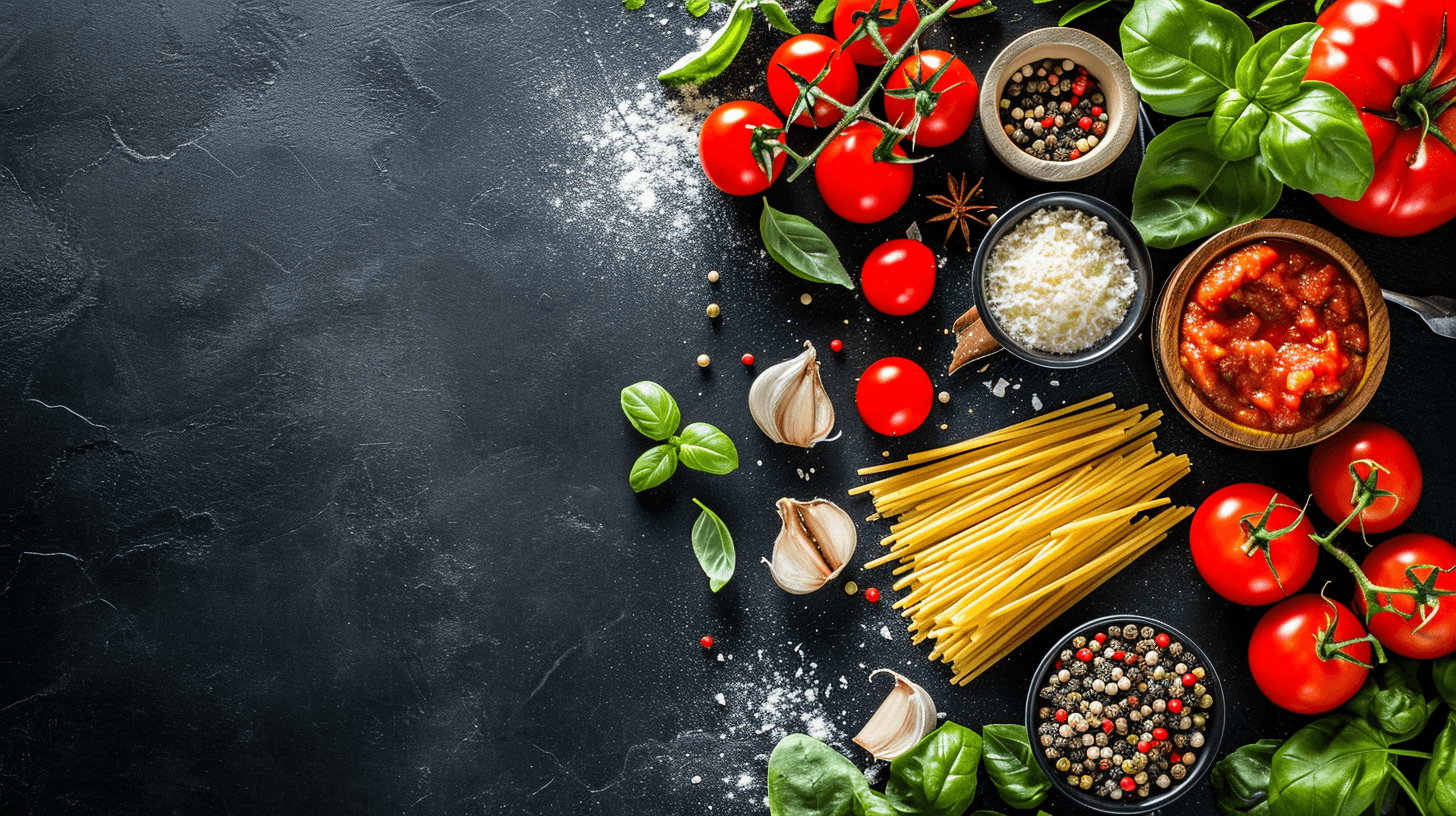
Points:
(789, 403)
(901, 721)
(815, 543)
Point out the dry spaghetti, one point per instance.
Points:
(998, 535)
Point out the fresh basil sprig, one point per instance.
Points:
(801, 247)
(717, 52)
(1437, 791)
(713, 545)
(1013, 770)
(654, 413)
(1241, 779)
(938, 776)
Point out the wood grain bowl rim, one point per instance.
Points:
(1167, 318)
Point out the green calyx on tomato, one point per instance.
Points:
(1233, 524)
(1300, 679)
(819, 101)
(871, 31)
(936, 113)
(1418, 104)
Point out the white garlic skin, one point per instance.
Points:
(902, 720)
(789, 403)
(816, 541)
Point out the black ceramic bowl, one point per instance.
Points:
(1206, 754)
(1119, 227)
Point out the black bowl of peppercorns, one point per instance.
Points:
(1125, 714)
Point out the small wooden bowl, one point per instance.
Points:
(1167, 319)
(1100, 61)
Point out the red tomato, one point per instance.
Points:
(963, 5)
(1285, 666)
(806, 55)
(1385, 566)
(1371, 50)
(899, 276)
(955, 108)
(894, 396)
(1222, 525)
(863, 50)
(725, 148)
(853, 184)
(1329, 475)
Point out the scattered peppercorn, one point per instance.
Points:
(713, 310)
(806, 298)
(850, 587)
(748, 359)
(871, 594)
(836, 345)
(712, 276)
(707, 641)
(703, 361)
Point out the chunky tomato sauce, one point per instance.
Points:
(1274, 336)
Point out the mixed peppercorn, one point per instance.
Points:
(1053, 110)
(1125, 712)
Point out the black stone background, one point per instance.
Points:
(314, 496)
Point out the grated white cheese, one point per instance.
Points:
(1058, 282)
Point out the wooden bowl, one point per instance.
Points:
(1166, 322)
(1100, 61)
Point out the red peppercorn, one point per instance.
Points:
(707, 641)
(1175, 706)
(1096, 110)
(1119, 654)
(1189, 679)
(748, 359)
(1160, 734)
(836, 345)
(1175, 758)
(1132, 699)
(871, 594)
(1076, 100)
(1079, 85)
(1107, 726)
(1085, 123)
(1162, 639)
(1084, 655)
(1053, 79)
(1061, 715)
(1047, 123)
(1059, 664)
(1075, 154)
(1131, 659)
(1128, 784)
(1144, 746)
(1100, 637)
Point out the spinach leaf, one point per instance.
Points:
(1392, 701)
(870, 802)
(703, 447)
(1084, 7)
(1437, 790)
(1443, 671)
(1012, 768)
(1315, 142)
(1185, 191)
(1271, 72)
(1183, 53)
(808, 778)
(651, 410)
(653, 467)
(938, 776)
(801, 247)
(1235, 126)
(1335, 766)
(1241, 779)
(824, 12)
(713, 545)
(717, 52)
(774, 13)
(698, 8)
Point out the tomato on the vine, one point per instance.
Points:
(863, 51)
(806, 55)
(1385, 566)
(1225, 522)
(725, 147)
(1286, 665)
(1330, 482)
(955, 108)
(899, 276)
(894, 396)
(853, 184)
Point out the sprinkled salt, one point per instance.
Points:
(885, 633)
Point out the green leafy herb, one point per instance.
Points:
(633, 5)
(1272, 71)
(1335, 766)
(713, 545)
(1443, 672)
(1437, 791)
(1391, 700)
(653, 467)
(703, 447)
(1012, 768)
(1241, 779)
(777, 17)
(1183, 53)
(808, 778)
(1315, 142)
(824, 12)
(938, 776)
(717, 52)
(801, 247)
(1235, 126)
(654, 413)
(1084, 7)
(979, 9)
(698, 8)
(651, 410)
(1185, 191)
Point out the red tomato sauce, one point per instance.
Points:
(1274, 336)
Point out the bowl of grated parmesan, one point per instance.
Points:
(1062, 280)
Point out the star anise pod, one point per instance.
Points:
(961, 210)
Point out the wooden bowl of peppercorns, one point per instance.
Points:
(1141, 696)
(1074, 99)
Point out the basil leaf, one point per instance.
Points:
(1443, 671)
(653, 467)
(1235, 126)
(651, 410)
(1184, 191)
(1012, 768)
(1183, 53)
(870, 802)
(713, 545)
(1392, 701)
(938, 776)
(1271, 71)
(1077, 11)
(1336, 766)
(1316, 143)
(801, 247)
(698, 8)
(1437, 787)
(1241, 779)
(703, 447)
(717, 52)
(633, 5)
(808, 778)
(824, 12)
(774, 13)
(982, 8)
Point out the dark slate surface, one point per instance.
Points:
(315, 497)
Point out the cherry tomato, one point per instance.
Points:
(955, 108)
(899, 276)
(853, 184)
(863, 50)
(725, 147)
(806, 55)
(1330, 482)
(1285, 666)
(894, 396)
(1217, 540)
(1385, 566)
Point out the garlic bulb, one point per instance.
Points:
(817, 540)
(789, 402)
(906, 716)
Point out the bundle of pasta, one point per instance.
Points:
(998, 535)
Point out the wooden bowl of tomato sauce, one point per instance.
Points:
(1271, 335)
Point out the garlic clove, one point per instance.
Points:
(815, 543)
(789, 403)
(901, 721)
